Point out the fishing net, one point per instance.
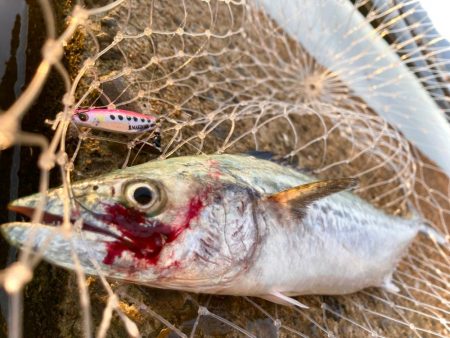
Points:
(229, 77)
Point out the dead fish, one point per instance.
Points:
(224, 224)
(114, 120)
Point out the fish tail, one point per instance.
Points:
(433, 234)
(427, 229)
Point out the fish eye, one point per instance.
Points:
(145, 195)
(83, 117)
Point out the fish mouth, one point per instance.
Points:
(56, 245)
(111, 239)
(119, 233)
(56, 220)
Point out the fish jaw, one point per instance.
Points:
(85, 249)
(93, 237)
(58, 246)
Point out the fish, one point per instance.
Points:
(115, 120)
(223, 224)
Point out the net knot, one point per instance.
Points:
(47, 160)
(203, 311)
(62, 158)
(68, 100)
(148, 31)
(79, 15)
(118, 37)
(277, 323)
(52, 51)
(16, 276)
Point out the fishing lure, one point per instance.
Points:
(115, 120)
(225, 224)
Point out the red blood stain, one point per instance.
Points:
(214, 169)
(142, 236)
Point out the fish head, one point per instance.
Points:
(174, 224)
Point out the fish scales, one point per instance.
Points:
(226, 224)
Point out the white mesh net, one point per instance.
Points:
(226, 77)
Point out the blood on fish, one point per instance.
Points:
(147, 249)
(214, 170)
(143, 237)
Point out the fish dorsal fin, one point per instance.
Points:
(262, 155)
(305, 194)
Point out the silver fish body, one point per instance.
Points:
(219, 224)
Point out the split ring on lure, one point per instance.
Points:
(114, 120)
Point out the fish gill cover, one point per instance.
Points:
(234, 76)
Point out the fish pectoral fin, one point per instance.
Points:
(279, 298)
(305, 194)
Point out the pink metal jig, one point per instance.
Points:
(114, 120)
